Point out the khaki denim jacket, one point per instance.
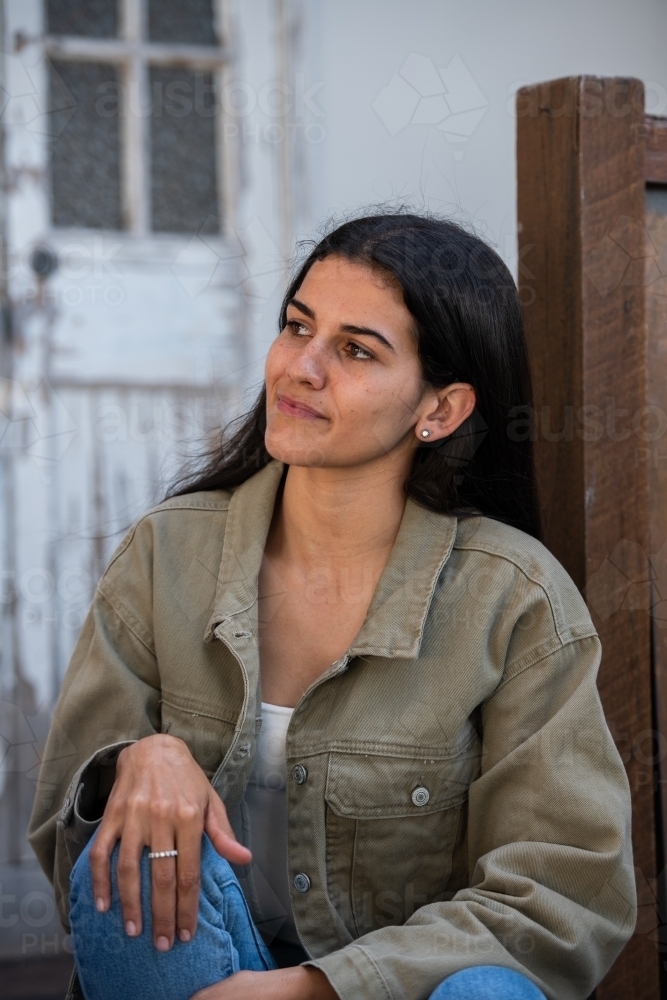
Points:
(463, 803)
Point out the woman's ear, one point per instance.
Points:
(445, 410)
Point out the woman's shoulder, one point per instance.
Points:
(503, 541)
(202, 500)
(513, 556)
(183, 525)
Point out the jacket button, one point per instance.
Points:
(301, 882)
(299, 774)
(420, 796)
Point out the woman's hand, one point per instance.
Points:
(299, 983)
(161, 799)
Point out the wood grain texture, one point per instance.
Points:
(550, 256)
(655, 143)
(580, 149)
(656, 460)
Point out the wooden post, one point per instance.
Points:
(656, 449)
(580, 147)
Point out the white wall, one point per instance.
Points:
(503, 44)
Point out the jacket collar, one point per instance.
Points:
(248, 522)
(397, 614)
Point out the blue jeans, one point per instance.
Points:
(113, 966)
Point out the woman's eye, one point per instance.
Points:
(298, 329)
(358, 352)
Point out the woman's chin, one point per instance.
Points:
(291, 453)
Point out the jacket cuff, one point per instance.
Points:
(86, 796)
(73, 830)
(353, 974)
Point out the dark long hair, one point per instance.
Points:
(467, 319)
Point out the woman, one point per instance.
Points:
(434, 803)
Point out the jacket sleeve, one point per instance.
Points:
(551, 890)
(110, 698)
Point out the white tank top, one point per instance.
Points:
(261, 824)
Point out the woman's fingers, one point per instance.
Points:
(128, 875)
(222, 837)
(163, 885)
(163, 901)
(188, 875)
(100, 852)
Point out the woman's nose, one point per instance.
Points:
(307, 365)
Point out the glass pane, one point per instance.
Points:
(177, 21)
(92, 18)
(184, 196)
(656, 198)
(85, 158)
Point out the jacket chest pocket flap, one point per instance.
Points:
(372, 786)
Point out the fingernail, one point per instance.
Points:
(185, 936)
(100, 905)
(162, 944)
(131, 928)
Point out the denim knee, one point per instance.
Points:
(226, 940)
(487, 982)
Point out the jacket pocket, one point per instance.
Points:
(208, 736)
(393, 824)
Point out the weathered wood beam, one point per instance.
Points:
(580, 147)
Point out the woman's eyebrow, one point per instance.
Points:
(366, 331)
(361, 331)
(302, 307)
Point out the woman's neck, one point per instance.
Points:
(333, 516)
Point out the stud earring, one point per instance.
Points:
(426, 433)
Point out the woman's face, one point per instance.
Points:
(343, 378)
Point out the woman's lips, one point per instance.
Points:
(293, 408)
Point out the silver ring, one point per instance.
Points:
(162, 854)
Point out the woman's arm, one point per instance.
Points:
(300, 983)
(110, 698)
(106, 735)
(551, 884)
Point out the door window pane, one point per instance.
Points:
(90, 18)
(85, 158)
(184, 195)
(178, 21)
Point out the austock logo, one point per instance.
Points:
(26, 427)
(199, 264)
(628, 255)
(421, 94)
